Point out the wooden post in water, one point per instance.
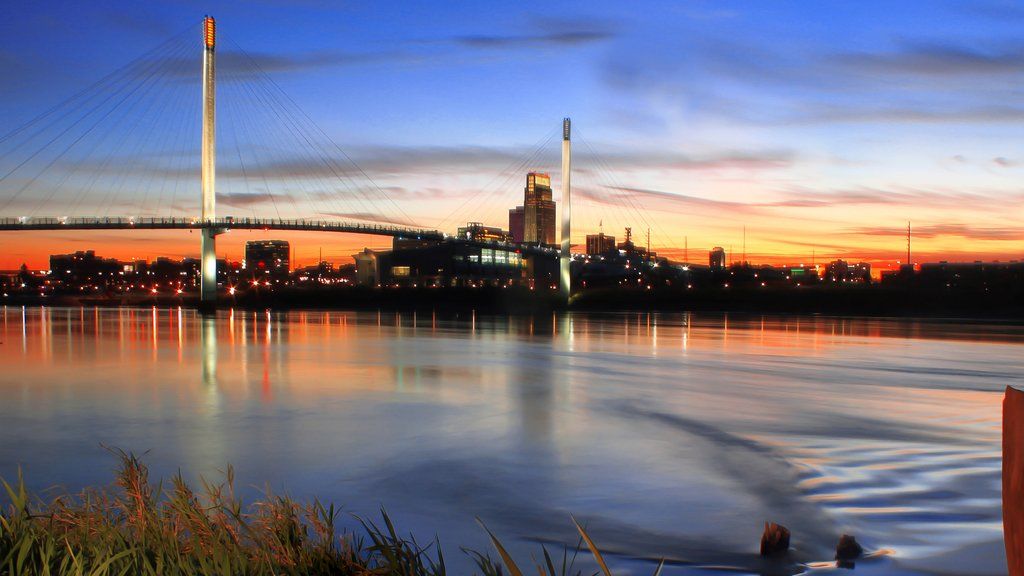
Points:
(1013, 480)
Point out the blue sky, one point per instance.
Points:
(812, 123)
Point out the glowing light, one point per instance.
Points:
(209, 31)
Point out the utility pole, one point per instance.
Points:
(744, 245)
(686, 249)
(208, 276)
(565, 257)
(648, 243)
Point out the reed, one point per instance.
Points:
(136, 527)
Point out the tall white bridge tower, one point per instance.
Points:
(208, 270)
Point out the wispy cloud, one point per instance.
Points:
(569, 38)
(372, 217)
(247, 199)
(801, 198)
(548, 33)
(1008, 233)
(237, 66)
(935, 59)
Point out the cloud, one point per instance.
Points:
(1008, 233)
(444, 159)
(236, 66)
(549, 33)
(708, 76)
(810, 197)
(933, 59)
(624, 195)
(245, 199)
(999, 11)
(924, 114)
(569, 38)
(372, 217)
(798, 198)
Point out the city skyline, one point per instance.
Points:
(822, 148)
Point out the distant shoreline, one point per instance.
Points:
(856, 301)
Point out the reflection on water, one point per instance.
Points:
(673, 435)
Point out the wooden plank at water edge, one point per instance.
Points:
(1013, 480)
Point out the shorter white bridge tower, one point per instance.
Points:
(565, 258)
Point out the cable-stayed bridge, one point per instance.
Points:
(127, 145)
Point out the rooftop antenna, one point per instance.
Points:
(744, 245)
(686, 249)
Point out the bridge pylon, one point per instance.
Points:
(208, 266)
(565, 257)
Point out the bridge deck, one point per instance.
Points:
(30, 224)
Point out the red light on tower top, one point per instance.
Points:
(210, 31)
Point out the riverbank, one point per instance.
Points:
(866, 301)
(137, 527)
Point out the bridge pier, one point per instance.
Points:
(208, 271)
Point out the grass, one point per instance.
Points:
(137, 528)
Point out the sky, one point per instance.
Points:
(820, 128)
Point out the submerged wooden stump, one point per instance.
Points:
(774, 540)
(1013, 480)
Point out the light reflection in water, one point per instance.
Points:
(665, 431)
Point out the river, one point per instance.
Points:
(670, 435)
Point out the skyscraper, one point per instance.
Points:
(539, 210)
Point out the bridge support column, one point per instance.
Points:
(208, 271)
(565, 258)
(208, 266)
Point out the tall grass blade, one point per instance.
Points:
(593, 548)
(513, 568)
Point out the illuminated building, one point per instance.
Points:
(716, 258)
(516, 221)
(446, 264)
(600, 244)
(367, 271)
(269, 257)
(479, 232)
(538, 210)
(83, 268)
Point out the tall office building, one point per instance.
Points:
(539, 210)
(269, 257)
(717, 258)
(516, 221)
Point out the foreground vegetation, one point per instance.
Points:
(136, 528)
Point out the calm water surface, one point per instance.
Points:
(671, 435)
